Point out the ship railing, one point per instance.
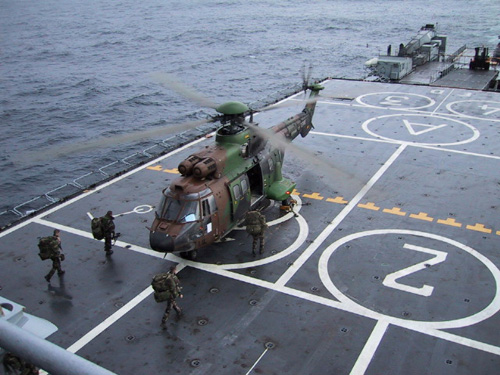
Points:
(451, 58)
(92, 178)
(441, 73)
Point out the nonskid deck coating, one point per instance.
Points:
(390, 267)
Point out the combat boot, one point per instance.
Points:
(178, 310)
(164, 320)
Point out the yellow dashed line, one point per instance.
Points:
(175, 170)
(369, 206)
(340, 200)
(450, 221)
(313, 196)
(155, 168)
(479, 228)
(422, 216)
(395, 211)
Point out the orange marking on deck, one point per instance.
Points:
(313, 196)
(369, 206)
(295, 192)
(339, 200)
(395, 211)
(479, 228)
(421, 216)
(175, 170)
(450, 221)
(155, 167)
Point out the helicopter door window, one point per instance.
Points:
(205, 208)
(236, 192)
(244, 186)
(271, 164)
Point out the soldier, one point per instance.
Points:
(256, 226)
(56, 257)
(12, 364)
(168, 287)
(109, 231)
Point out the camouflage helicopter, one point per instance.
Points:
(222, 182)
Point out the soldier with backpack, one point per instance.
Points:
(256, 226)
(50, 248)
(104, 228)
(167, 287)
(109, 231)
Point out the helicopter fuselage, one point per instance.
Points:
(221, 183)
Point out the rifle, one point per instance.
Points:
(115, 237)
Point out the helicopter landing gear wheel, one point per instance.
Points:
(189, 255)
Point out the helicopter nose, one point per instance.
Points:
(161, 242)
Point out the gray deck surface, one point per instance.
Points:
(391, 266)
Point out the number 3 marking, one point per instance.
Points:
(426, 290)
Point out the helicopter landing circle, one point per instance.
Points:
(301, 238)
(396, 100)
(376, 291)
(419, 129)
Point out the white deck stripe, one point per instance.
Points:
(370, 348)
(110, 320)
(338, 219)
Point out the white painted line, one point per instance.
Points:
(442, 101)
(371, 346)
(414, 326)
(124, 245)
(338, 219)
(100, 187)
(426, 290)
(110, 320)
(418, 325)
(258, 360)
(113, 318)
(416, 145)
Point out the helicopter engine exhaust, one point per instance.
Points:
(204, 168)
(186, 166)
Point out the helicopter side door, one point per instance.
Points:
(209, 219)
(241, 197)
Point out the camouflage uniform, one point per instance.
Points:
(174, 286)
(256, 226)
(109, 231)
(14, 365)
(56, 259)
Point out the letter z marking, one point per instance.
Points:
(426, 290)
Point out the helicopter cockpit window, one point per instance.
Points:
(183, 211)
(170, 208)
(190, 212)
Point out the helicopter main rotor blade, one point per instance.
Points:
(73, 148)
(190, 93)
(279, 141)
(288, 103)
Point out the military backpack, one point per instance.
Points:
(97, 226)
(164, 286)
(49, 247)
